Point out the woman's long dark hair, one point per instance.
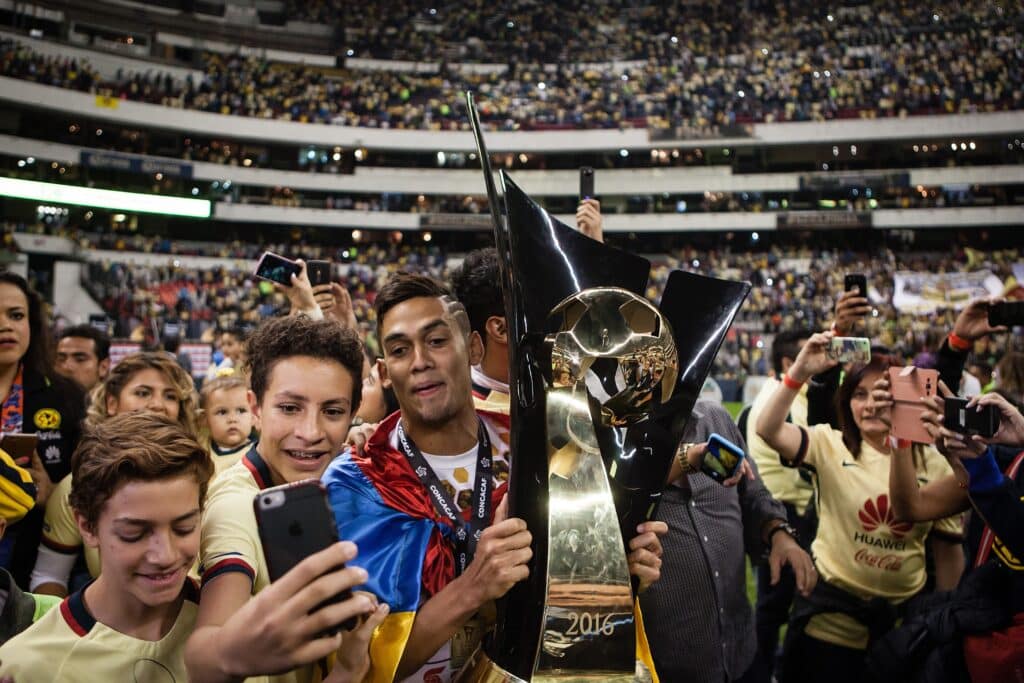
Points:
(38, 356)
(851, 434)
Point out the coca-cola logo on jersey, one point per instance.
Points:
(884, 561)
(883, 532)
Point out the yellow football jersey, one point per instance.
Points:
(231, 540)
(222, 459)
(60, 531)
(69, 645)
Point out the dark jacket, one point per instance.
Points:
(821, 395)
(698, 620)
(54, 408)
(928, 647)
(950, 364)
(1002, 508)
(20, 609)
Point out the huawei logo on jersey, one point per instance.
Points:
(877, 513)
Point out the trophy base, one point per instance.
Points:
(482, 669)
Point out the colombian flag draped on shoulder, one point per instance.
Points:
(380, 505)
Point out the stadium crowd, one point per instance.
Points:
(329, 500)
(792, 287)
(721, 69)
(181, 466)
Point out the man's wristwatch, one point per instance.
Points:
(785, 526)
(683, 462)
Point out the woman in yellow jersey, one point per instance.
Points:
(869, 561)
(150, 382)
(139, 486)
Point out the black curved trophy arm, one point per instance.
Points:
(639, 456)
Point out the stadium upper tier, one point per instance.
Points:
(532, 31)
(697, 72)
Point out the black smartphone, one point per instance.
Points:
(276, 268)
(963, 420)
(319, 272)
(294, 522)
(586, 183)
(1008, 313)
(723, 458)
(20, 447)
(857, 280)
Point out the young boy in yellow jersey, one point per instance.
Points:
(305, 377)
(228, 420)
(139, 485)
(150, 382)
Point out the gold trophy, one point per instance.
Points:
(601, 386)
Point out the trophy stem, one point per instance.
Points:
(589, 628)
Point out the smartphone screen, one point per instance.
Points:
(295, 521)
(276, 269)
(586, 183)
(722, 459)
(849, 349)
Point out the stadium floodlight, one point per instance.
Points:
(55, 193)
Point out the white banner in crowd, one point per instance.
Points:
(923, 293)
(201, 354)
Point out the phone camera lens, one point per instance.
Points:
(267, 500)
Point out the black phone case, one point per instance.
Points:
(299, 527)
(956, 416)
(1008, 313)
(319, 272)
(586, 183)
(856, 280)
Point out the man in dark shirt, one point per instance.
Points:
(699, 621)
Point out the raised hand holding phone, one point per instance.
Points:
(852, 305)
(285, 626)
(813, 358)
(20, 447)
(1011, 421)
(300, 293)
(849, 350)
(295, 521)
(907, 386)
(722, 459)
(982, 420)
(1005, 314)
(276, 268)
